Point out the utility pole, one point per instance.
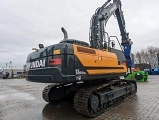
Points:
(11, 69)
(6, 67)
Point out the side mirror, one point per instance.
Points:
(41, 46)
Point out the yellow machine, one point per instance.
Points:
(90, 74)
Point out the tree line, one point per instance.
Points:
(148, 56)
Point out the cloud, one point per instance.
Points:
(26, 23)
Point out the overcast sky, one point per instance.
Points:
(26, 23)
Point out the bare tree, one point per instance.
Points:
(138, 57)
(148, 56)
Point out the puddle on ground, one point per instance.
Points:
(29, 98)
(19, 95)
(25, 96)
(2, 96)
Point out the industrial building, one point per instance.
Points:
(13, 72)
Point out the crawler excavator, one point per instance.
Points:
(90, 73)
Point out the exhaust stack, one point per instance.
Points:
(65, 33)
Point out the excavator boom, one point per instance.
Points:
(97, 28)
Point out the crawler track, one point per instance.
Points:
(82, 102)
(46, 92)
(91, 99)
(57, 92)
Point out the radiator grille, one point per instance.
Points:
(86, 50)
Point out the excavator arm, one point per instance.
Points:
(97, 28)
